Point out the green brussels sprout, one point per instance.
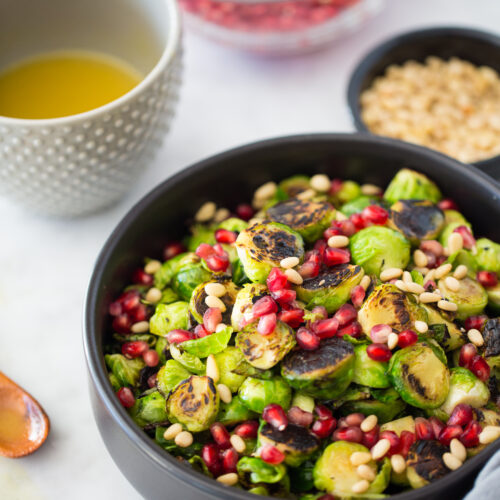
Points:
(210, 344)
(488, 255)
(234, 412)
(464, 257)
(197, 306)
(233, 224)
(398, 426)
(265, 351)
(445, 332)
(349, 191)
(162, 348)
(189, 274)
(230, 359)
(245, 299)
(301, 478)
(170, 376)
(324, 373)
(125, 370)
(303, 401)
(465, 387)
(200, 233)
(428, 341)
(357, 205)
(367, 371)
(451, 216)
(308, 218)
(194, 403)
(149, 409)
(256, 393)
(295, 442)
(115, 383)
(168, 296)
(262, 246)
(187, 360)
(292, 186)
(170, 446)
(255, 470)
(387, 304)
(471, 298)
(331, 288)
(417, 277)
(335, 473)
(421, 379)
(411, 185)
(376, 248)
(491, 347)
(494, 298)
(164, 275)
(168, 317)
(385, 412)
(416, 219)
(425, 463)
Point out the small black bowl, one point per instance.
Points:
(228, 179)
(478, 47)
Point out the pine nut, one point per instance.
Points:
(442, 271)
(489, 434)
(452, 283)
(398, 463)
(401, 285)
(224, 393)
(238, 443)
(458, 449)
(422, 270)
(212, 368)
(446, 305)
(391, 273)
(222, 214)
(152, 266)
(429, 276)
(215, 289)
(366, 472)
(415, 288)
(184, 439)
(266, 191)
(392, 340)
(229, 479)
(407, 277)
(340, 216)
(206, 212)
(289, 262)
(153, 295)
(338, 241)
(172, 431)
(360, 486)
(420, 258)
(451, 461)
(460, 272)
(369, 423)
(475, 337)
(428, 297)
(306, 195)
(455, 243)
(421, 326)
(294, 277)
(366, 281)
(212, 301)
(380, 448)
(370, 190)
(140, 327)
(360, 457)
(320, 183)
(220, 327)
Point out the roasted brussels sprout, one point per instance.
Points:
(303, 401)
(245, 299)
(417, 219)
(256, 393)
(411, 185)
(421, 379)
(331, 288)
(400, 425)
(210, 344)
(388, 305)
(170, 376)
(262, 247)
(487, 417)
(194, 403)
(265, 351)
(125, 370)
(200, 233)
(189, 361)
(494, 299)
(357, 205)
(471, 298)
(308, 218)
(234, 412)
(324, 373)
(349, 191)
(164, 275)
(488, 255)
(491, 347)
(230, 359)
(189, 274)
(424, 463)
(376, 248)
(385, 411)
(367, 371)
(168, 317)
(445, 332)
(233, 224)
(295, 442)
(255, 470)
(149, 409)
(292, 186)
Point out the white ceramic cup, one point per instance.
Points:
(79, 164)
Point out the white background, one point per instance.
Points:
(228, 98)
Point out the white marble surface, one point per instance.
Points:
(228, 98)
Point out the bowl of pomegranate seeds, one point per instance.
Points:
(277, 26)
(322, 324)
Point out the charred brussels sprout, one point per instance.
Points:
(295, 442)
(256, 393)
(294, 185)
(245, 299)
(445, 332)
(170, 376)
(234, 412)
(377, 248)
(417, 219)
(169, 317)
(189, 274)
(126, 371)
(491, 347)
(421, 379)
(308, 218)
(194, 403)
(324, 373)
(411, 185)
(425, 464)
(488, 255)
(262, 246)
(265, 351)
(331, 288)
(367, 371)
(471, 298)
(149, 409)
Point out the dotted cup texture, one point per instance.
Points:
(85, 164)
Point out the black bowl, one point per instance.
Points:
(478, 47)
(228, 179)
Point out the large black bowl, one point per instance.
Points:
(478, 47)
(227, 179)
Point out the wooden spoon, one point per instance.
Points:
(24, 426)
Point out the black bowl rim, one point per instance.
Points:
(95, 363)
(375, 54)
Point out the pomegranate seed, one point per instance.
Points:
(115, 308)
(220, 435)
(244, 211)
(141, 277)
(204, 251)
(320, 246)
(450, 432)
(212, 318)
(447, 204)
(469, 240)
(284, 296)
(346, 314)
(274, 415)
(173, 249)
(370, 438)
(480, 368)
(358, 296)
(271, 455)
(323, 412)
(430, 286)
(375, 214)
(379, 352)
(325, 328)
(354, 419)
(336, 186)
(487, 278)
(353, 330)
(293, 317)
(406, 438)
(407, 338)
(423, 429)
(122, 324)
(467, 354)
(263, 306)
(201, 332)
(126, 397)
(211, 457)
(461, 415)
(217, 264)
(393, 439)
(437, 426)
(152, 380)
(248, 429)
(134, 349)
(219, 250)
(276, 280)
(309, 269)
(179, 336)
(327, 496)
(336, 256)
(476, 322)
(225, 236)
(229, 460)
(358, 221)
(267, 324)
(140, 313)
(432, 246)
(130, 300)
(332, 231)
(347, 227)
(431, 260)
(151, 358)
(470, 436)
(323, 428)
(300, 417)
(352, 434)
(380, 333)
(307, 340)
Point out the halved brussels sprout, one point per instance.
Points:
(387, 304)
(231, 358)
(411, 185)
(308, 218)
(262, 246)
(189, 361)
(255, 470)
(210, 344)
(421, 379)
(164, 275)
(376, 248)
(331, 288)
(149, 409)
(170, 376)
(189, 274)
(292, 186)
(324, 373)
(256, 393)
(425, 463)
(488, 255)
(385, 411)
(245, 299)
(417, 219)
(400, 425)
(295, 442)
(486, 416)
(471, 298)
(234, 412)
(357, 205)
(445, 332)
(348, 191)
(451, 216)
(491, 347)
(265, 351)
(194, 403)
(303, 401)
(367, 371)
(494, 299)
(168, 317)
(233, 224)
(126, 371)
